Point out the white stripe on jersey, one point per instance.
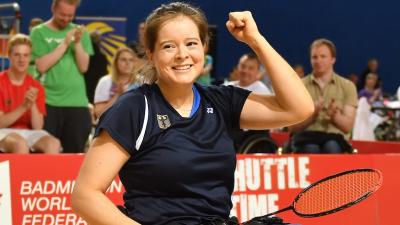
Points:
(146, 117)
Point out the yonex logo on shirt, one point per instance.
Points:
(210, 110)
(57, 40)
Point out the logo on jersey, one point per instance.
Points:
(5, 194)
(163, 121)
(210, 110)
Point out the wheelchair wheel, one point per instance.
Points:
(258, 144)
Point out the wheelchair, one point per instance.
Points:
(252, 141)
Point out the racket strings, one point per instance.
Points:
(336, 192)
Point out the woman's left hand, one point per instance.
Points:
(242, 26)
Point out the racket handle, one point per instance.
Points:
(279, 211)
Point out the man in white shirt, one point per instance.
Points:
(248, 70)
(249, 73)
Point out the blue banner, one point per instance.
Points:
(111, 30)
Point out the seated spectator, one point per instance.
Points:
(299, 69)
(369, 91)
(248, 74)
(233, 75)
(372, 67)
(111, 86)
(335, 98)
(22, 104)
(353, 78)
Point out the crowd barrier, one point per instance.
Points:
(35, 189)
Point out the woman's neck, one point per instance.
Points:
(179, 97)
(124, 78)
(370, 89)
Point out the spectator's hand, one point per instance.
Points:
(376, 94)
(319, 105)
(332, 108)
(30, 97)
(74, 35)
(121, 87)
(242, 26)
(78, 33)
(69, 37)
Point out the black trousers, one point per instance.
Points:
(71, 125)
(300, 139)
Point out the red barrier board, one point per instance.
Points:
(35, 189)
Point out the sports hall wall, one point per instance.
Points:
(360, 29)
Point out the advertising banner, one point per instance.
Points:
(111, 31)
(35, 189)
(5, 194)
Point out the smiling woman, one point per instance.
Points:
(166, 138)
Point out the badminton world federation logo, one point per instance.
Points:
(5, 194)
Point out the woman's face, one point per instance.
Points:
(178, 54)
(371, 81)
(125, 63)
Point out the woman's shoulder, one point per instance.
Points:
(105, 78)
(103, 85)
(215, 88)
(138, 92)
(221, 92)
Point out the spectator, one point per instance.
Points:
(299, 69)
(34, 22)
(141, 29)
(22, 104)
(61, 51)
(353, 78)
(32, 68)
(111, 86)
(138, 45)
(248, 70)
(265, 78)
(97, 67)
(335, 106)
(369, 91)
(233, 76)
(372, 67)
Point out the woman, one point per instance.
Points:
(111, 86)
(169, 140)
(370, 92)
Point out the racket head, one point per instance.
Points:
(337, 192)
